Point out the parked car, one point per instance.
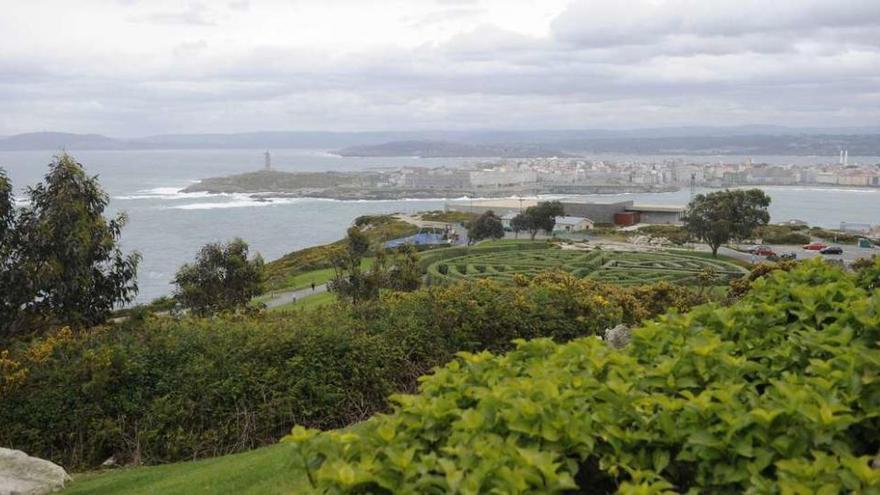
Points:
(762, 251)
(783, 257)
(832, 250)
(815, 246)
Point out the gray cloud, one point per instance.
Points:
(601, 23)
(195, 14)
(602, 64)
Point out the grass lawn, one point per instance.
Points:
(321, 276)
(262, 471)
(319, 299)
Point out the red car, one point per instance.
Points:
(815, 246)
(762, 251)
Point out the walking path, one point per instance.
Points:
(286, 297)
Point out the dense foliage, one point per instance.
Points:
(163, 390)
(782, 234)
(836, 236)
(60, 256)
(448, 216)
(486, 226)
(776, 394)
(741, 286)
(351, 281)
(221, 278)
(377, 228)
(720, 216)
(674, 233)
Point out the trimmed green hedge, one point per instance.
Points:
(447, 253)
(609, 266)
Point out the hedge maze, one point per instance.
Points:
(608, 266)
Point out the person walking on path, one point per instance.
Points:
(313, 287)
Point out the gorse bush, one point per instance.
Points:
(835, 235)
(782, 234)
(377, 229)
(168, 391)
(776, 394)
(160, 390)
(675, 234)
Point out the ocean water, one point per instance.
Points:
(168, 227)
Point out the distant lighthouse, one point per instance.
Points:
(267, 161)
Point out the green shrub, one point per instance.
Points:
(781, 234)
(776, 394)
(835, 236)
(448, 216)
(676, 234)
(378, 228)
(168, 390)
(868, 272)
(160, 390)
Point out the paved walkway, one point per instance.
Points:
(286, 297)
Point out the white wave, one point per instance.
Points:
(240, 201)
(164, 193)
(860, 190)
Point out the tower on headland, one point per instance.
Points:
(268, 161)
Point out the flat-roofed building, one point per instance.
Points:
(499, 206)
(659, 214)
(573, 224)
(597, 212)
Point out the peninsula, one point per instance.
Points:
(409, 182)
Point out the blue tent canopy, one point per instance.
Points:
(422, 238)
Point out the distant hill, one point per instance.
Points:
(437, 149)
(60, 140)
(786, 144)
(492, 143)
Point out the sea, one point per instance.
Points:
(168, 226)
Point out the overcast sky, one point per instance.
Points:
(138, 67)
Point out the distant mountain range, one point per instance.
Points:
(758, 140)
(440, 149)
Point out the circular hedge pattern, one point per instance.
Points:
(608, 266)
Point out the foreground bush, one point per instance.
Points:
(776, 394)
(162, 390)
